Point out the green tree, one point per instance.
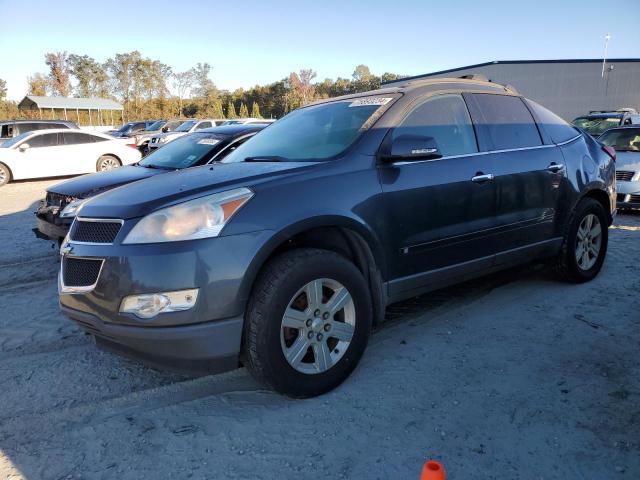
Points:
(255, 110)
(93, 80)
(244, 111)
(204, 86)
(59, 75)
(361, 73)
(183, 82)
(231, 110)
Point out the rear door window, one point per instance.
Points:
(44, 140)
(559, 130)
(446, 119)
(503, 122)
(76, 138)
(202, 125)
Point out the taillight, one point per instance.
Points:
(132, 145)
(610, 151)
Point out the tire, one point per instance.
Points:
(5, 174)
(570, 265)
(280, 287)
(107, 162)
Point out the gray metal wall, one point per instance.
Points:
(568, 89)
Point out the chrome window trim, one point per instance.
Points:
(231, 144)
(488, 152)
(97, 220)
(63, 289)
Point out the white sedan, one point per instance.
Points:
(57, 152)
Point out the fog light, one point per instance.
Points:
(149, 305)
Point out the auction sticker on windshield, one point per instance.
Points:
(363, 102)
(208, 141)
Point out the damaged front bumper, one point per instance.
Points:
(49, 224)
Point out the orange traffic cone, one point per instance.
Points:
(433, 470)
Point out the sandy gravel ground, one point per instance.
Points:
(515, 376)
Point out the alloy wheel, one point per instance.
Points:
(317, 326)
(589, 241)
(108, 163)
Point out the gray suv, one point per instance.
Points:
(283, 256)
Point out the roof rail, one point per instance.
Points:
(475, 76)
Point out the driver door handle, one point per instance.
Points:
(555, 167)
(481, 177)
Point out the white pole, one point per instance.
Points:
(607, 37)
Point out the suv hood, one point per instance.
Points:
(89, 185)
(139, 199)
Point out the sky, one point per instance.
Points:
(251, 42)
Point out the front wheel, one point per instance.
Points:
(5, 174)
(585, 242)
(107, 162)
(307, 323)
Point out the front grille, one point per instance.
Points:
(57, 200)
(94, 232)
(621, 197)
(634, 198)
(624, 175)
(80, 272)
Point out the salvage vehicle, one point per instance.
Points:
(58, 152)
(284, 256)
(187, 126)
(598, 121)
(63, 200)
(161, 126)
(12, 128)
(626, 142)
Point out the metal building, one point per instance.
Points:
(102, 108)
(568, 87)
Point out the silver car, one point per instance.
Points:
(626, 141)
(187, 126)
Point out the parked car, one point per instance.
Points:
(285, 255)
(57, 152)
(626, 142)
(131, 128)
(245, 121)
(161, 126)
(598, 121)
(62, 202)
(187, 126)
(12, 128)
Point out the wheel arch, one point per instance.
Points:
(9, 170)
(603, 198)
(343, 235)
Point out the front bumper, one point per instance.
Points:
(206, 337)
(49, 225)
(628, 194)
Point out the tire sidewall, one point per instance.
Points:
(284, 376)
(584, 209)
(7, 173)
(102, 159)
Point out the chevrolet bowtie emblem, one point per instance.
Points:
(66, 249)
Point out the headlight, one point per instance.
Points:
(72, 209)
(200, 218)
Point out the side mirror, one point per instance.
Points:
(165, 129)
(24, 147)
(413, 147)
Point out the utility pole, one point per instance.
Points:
(607, 37)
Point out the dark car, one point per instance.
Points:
(626, 142)
(12, 128)
(283, 256)
(58, 209)
(129, 129)
(597, 122)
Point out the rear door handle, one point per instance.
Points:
(481, 177)
(555, 167)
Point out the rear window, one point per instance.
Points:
(45, 140)
(622, 139)
(506, 121)
(75, 138)
(6, 131)
(559, 130)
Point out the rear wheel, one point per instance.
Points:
(307, 323)
(585, 243)
(107, 162)
(5, 174)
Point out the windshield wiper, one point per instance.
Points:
(158, 167)
(266, 158)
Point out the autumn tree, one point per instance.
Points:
(38, 84)
(59, 75)
(183, 83)
(93, 80)
(3, 89)
(244, 111)
(231, 110)
(204, 86)
(255, 110)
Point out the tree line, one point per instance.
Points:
(143, 84)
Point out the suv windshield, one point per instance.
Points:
(622, 139)
(125, 127)
(184, 152)
(596, 125)
(313, 133)
(186, 126)
(155, 125)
